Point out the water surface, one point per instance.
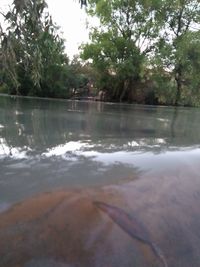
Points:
(143, 159)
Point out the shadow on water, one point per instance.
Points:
(142, 162)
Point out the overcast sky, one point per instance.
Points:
(70, 17)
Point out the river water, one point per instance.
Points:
(58, 157)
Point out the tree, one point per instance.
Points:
(179, 20)
(189, 56)
(119, 46)
(33, 53)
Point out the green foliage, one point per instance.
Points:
(178, 40)
(33, 57)
(137, 36)
(143, 50)
(163, 86)
(119, 46)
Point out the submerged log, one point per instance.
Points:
(132, 227)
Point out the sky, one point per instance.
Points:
(70, 17)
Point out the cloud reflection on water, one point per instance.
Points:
(48, 143)
(143, 152)
(12, 152)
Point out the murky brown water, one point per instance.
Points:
(58, 157)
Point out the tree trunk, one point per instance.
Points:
(127, 85)
(178, 78)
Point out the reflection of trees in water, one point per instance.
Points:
(173, 123)
(41, 124)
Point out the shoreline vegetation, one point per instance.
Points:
(144, 52)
